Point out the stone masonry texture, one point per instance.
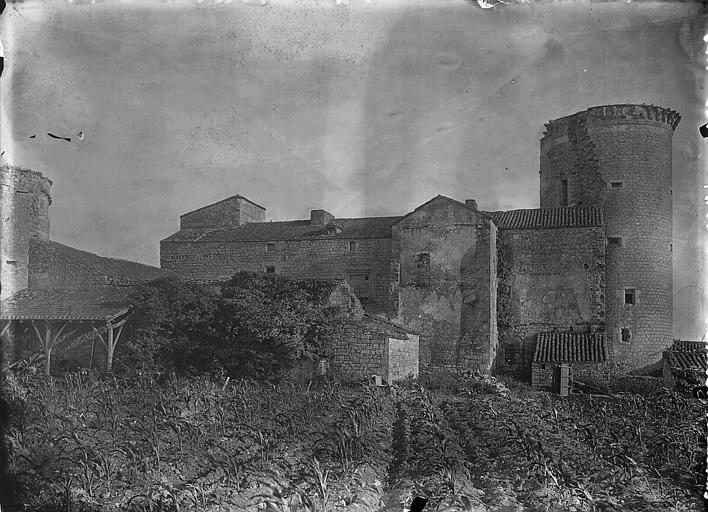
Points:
(619, 157)
(24, 205)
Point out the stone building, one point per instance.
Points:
(481, 287)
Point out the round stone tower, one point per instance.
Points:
(620, 157)
(24, 206)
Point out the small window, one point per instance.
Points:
(564, 193)
(625, 334)
(614, 240)
(630, 296)
(270, 247)
(616, 184)
(11, 262)
(270, 270)
(352, 246)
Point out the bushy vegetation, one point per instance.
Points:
(258, 326)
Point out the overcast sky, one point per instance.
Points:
(359, 107)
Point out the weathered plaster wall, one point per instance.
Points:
(453, 307)
(554, 280)
(300, 259)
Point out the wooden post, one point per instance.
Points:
(112, 341)
(93, 349)
(111, 348)
(48, 341)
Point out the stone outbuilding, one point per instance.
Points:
(567, 355)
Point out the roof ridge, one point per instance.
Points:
(235, 196)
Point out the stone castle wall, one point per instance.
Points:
(553, 280)
(24, 207)
(621, 158)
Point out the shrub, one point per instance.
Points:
(259, 325)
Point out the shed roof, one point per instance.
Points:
(570, 347)
(123, 270)
(685, 355)
(366, 227)
(85, 304)
(381, 325)
(535, 218)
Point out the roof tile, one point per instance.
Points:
(568, 217)
(367, 227)
(98, 303)
(688, 354)
(570, 347)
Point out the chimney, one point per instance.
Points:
(471, 203)
(320, 218)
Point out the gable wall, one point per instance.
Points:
(454, 312)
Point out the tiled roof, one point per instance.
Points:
(122, 270)
(367, 227)
(570, 347)
(99, 303)
(568, 217)
(688, 354)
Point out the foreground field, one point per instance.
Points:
(84, 442)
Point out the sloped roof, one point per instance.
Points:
(230, 198)
(124, 270)
(567, 217)
(570, 347)
(384, 326)
(98, 303)
(366, 227)
(441, 197)
(685, 355)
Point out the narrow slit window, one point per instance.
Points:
(564, 193)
